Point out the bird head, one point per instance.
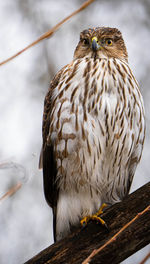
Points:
(101, 42)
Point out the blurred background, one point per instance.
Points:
(25, 218)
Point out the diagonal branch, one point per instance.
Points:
(49, 32)
(129, 231)
(145, 259)
(20, 170)
(11, 191)
(111, 240)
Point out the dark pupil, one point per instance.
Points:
(85, 41)
(109, 41)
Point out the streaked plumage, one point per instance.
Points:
(93, 130)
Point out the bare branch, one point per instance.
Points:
(96, 251)
(21, 174)
(128, 223)
(145, 259)
(49, 32)
(11, 191)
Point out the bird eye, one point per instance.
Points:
(85, 41)
(108, 42)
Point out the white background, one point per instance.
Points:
(25, 218)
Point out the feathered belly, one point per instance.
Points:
(97, 131)
(94, 157)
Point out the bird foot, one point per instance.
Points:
(94, 217)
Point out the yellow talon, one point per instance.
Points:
(100, 211)
(96, 217)
(86, 219)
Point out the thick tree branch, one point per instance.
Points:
(129, 231)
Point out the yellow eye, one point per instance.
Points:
(108, 42)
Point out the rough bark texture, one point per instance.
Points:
(79, 245)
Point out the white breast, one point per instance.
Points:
(97, 130)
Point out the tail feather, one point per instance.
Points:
(54, 223)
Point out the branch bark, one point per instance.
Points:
(129, 231)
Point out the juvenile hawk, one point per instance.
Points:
(93, 129)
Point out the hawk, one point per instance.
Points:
(93, 130)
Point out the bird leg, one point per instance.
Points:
(94, 217)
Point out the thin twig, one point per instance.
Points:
(11, 191)
(49, 32)
(96, 251)
(145, 259)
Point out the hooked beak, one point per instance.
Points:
(95, 44)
